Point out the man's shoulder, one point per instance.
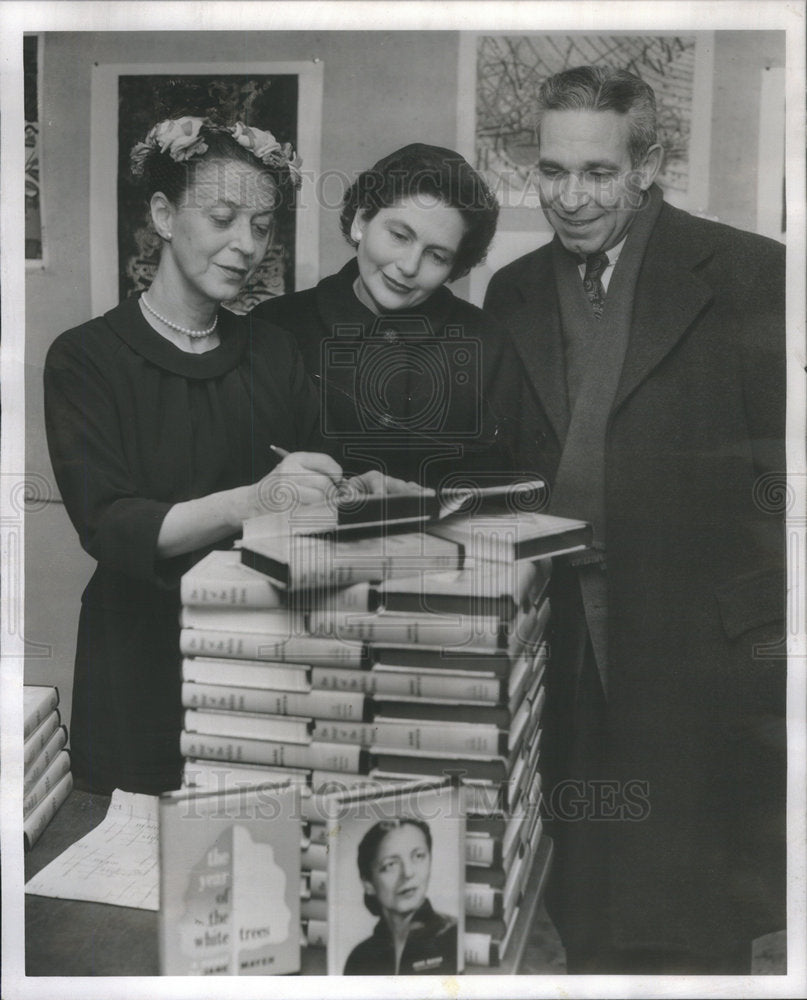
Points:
(739, 246)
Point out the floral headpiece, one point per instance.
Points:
(182, 139)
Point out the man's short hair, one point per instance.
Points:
(603, 88)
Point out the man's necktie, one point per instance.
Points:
(596, 263)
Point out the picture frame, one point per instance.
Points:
(126, 101)
(499, 77)
(32, 99)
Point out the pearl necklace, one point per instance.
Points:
(193, 334)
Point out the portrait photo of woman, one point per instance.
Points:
(396, 881)
(410, 938)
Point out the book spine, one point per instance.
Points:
(482, 901)
(272, 622)
(40, 763)
(44, 702)
(247, 673)
(254, 646)
(278, 729)
(37, 820)
(457, 737)
(407, 734)
(38, 740)
(47, 782)
(314, 857)
(434, 684)
(480, 950)
(315, 933)
(254, 593)
(404, 629)
(482, 852)
(340, 679)
(331, 757)
(314, 704)
(332, 731)
(318, 883)
(219, 776)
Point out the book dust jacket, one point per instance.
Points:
(230, 882)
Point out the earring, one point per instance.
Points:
(167, 237)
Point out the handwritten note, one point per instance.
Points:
(115, 863)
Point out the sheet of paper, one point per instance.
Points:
(115, 863)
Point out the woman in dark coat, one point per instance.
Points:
(160, 418)
(411, 937)
(412, 379)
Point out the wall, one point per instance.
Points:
(740, 59)
(381, 90)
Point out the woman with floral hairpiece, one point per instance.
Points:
(161, 416)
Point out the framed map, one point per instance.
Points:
(284, 98)
(500, 79)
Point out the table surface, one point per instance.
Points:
(67, 937)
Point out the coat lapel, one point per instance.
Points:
(669, 296)
(535, 329)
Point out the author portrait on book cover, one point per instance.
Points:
(411, 937)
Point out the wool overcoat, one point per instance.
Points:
(694, 488)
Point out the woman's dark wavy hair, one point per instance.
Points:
(443, 173)
(162, 173)
(368, 850)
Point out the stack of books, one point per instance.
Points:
(338, 655)
(47, 779)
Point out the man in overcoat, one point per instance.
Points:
(657, 411)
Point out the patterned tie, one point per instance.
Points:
(596, 263)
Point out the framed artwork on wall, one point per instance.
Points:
(284, 98)
(32, 72)
(500, 76)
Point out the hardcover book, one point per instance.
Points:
(299, 562)
(230, 882)
(511, 537)
(38, 701)
(396, 862)
(221, 580)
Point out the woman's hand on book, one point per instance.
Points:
(376, 483)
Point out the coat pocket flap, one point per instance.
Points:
(749, 601)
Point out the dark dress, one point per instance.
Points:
(421, 395)
(430, 949)
(134, 426)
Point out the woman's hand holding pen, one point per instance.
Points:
(371, 482)
(300, 478)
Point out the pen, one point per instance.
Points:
(341, 485)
